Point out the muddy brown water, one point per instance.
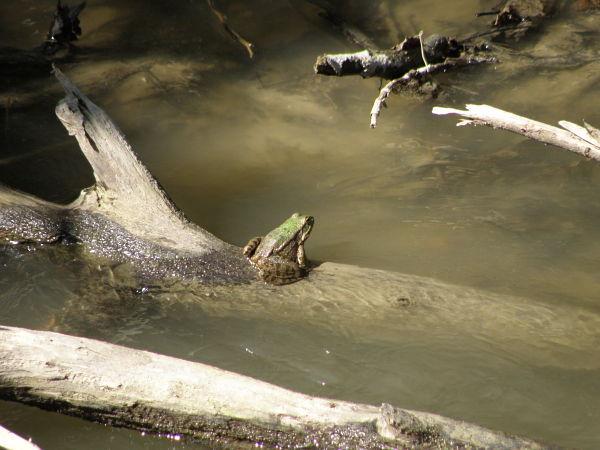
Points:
(240, 144)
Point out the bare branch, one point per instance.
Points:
(417, 74)
(574, 138)
(249, 46)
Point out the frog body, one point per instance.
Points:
(279, 256)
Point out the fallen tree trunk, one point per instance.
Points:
(127, 218)
(145, 391)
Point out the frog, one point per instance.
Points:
(279, 256)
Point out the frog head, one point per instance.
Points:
(285, 239)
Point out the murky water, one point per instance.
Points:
(239, 144)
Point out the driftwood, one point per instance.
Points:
(408, 65)
(12, 441)
(127, 218)
(145, 391)
(584, 141)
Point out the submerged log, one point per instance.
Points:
(127, 218)
(145, 391)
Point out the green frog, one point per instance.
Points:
(279, 255)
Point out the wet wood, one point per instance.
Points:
(126, 217)
(411, 54)
(145, 391)
(581, 140)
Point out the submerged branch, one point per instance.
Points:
(581, 140)
(249, 46)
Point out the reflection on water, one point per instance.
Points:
(241, 144)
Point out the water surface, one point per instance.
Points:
(240, 144)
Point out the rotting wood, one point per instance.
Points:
(392, 63)
(575, 138)
(145, 391)
(414, 75)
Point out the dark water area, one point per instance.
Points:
(240, 144)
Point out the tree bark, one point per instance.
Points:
(145, 391)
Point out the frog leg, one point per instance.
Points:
(251, 246)
(301, 256)
(279, 271)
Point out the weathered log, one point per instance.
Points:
(133, 222)
(127, 218)
(145, 391)
(581, 140)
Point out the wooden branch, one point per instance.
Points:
(582, 141)
(414, 74)
(149, 392)
(12, 441)
(390, 64)
(249, 46)
(126, 216)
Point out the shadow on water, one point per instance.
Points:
(239, 144)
